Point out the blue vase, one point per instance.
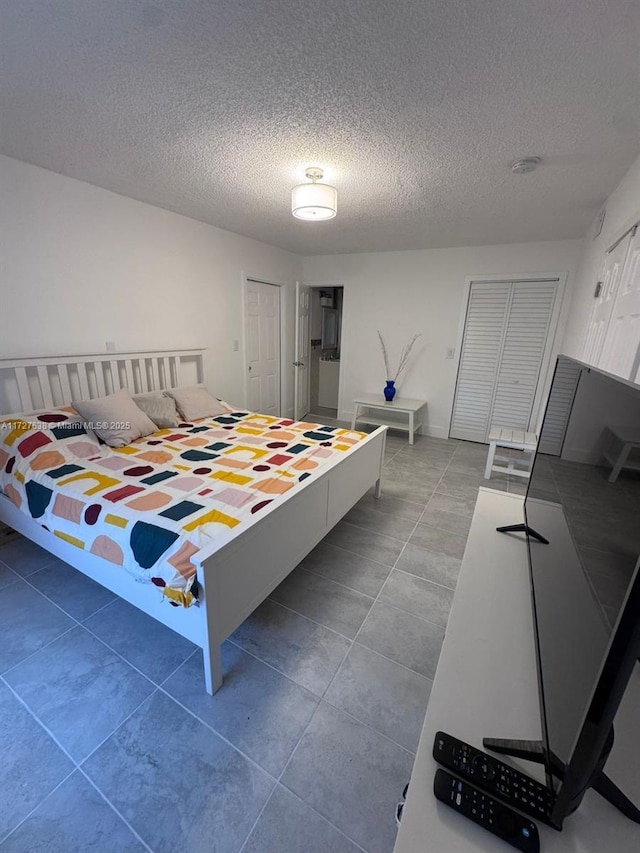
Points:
(389, 390)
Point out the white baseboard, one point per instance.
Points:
(435, 431)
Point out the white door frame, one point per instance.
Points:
(322, 284)
(625, 267)
(552, 347)
(245, 360)
(595, 358)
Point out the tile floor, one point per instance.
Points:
(108, 741)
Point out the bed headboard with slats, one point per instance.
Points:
(40, 382)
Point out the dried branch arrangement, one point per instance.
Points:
(404, 356)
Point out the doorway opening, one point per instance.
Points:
(324, 355)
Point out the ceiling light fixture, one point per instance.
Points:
(314, 200)
(524, 166)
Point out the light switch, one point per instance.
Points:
(451, 352)
(236, 345)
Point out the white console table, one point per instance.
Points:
(373, 409)
(486, 686)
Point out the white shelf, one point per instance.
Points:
(393, 423)
(366, 404)
(398, 404)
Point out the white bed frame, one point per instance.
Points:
(235, 576)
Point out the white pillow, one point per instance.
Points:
(115, 419)
(159, 407)
(196, 402)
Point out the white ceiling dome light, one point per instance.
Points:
(314, 200)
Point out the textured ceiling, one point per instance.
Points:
(415, 108)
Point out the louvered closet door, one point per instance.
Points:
(522, 352)
(479, 360)
(556, 418)
(505, 337)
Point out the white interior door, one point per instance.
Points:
(621, 348)
(605, 300)
(302, 352)
(505, 342)
(262, 323)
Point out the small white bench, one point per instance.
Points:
(515, 439)
(619, 452)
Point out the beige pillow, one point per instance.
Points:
(115, 419)
(196, 402)
(160, 408)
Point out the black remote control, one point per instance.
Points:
(482, 809)
(513, 787)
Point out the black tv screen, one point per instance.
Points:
(584, 497)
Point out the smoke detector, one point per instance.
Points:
(527, 164)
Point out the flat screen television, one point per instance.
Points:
(583, 498)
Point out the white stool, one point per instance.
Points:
(516, 439)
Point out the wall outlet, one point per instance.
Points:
(111, 346)
(451, 352)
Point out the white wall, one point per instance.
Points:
(421, 291)
(623, 211)
(81, 265)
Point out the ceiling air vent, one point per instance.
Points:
(524, 166)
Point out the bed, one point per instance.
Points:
(310, 476)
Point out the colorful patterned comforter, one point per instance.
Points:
(150, 507)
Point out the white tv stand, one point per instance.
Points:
(486, 686)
